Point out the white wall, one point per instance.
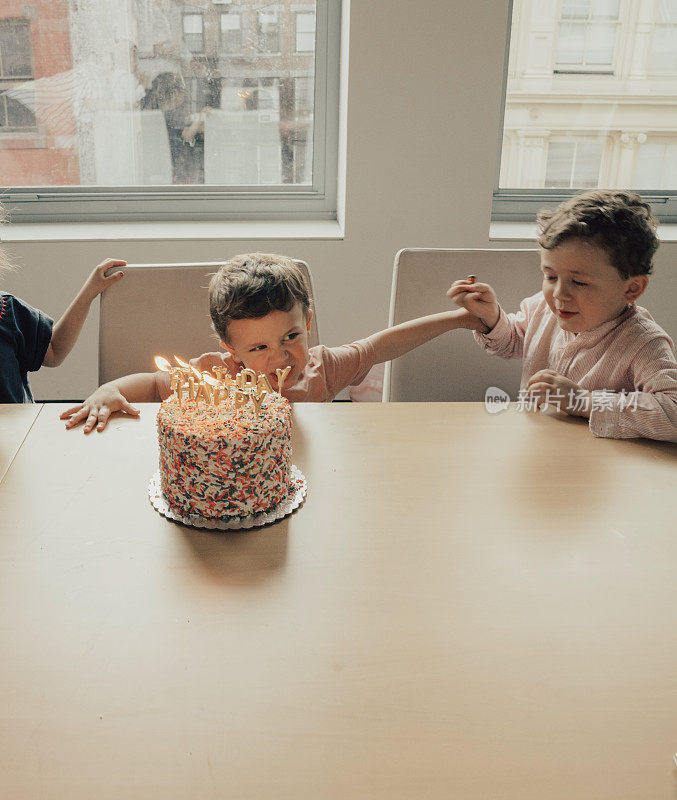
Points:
(422, 135)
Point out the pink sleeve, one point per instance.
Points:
(506, 338)
(347, 365)
(651, 410)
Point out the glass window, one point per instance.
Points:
(656, 166)
(304, 89)
(193, 33)
(586, 33)
(305, 33)
(585, 107)
(231, 33)
(573, 164)
(16, 71)
(182, 118)
(16, 60)
(664, 42)
(268, 31)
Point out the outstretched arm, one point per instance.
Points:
(114, 396)
(67, 329)
(400, 339)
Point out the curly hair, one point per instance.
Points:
(620, 223)
(252, 285)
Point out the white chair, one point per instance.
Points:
(453, 366)
(161, 309)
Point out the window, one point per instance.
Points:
(231, 33)
(303, 95)
(573, 165)
(16, 67)
(193, 33)
(664, 44)
(305, 33)
(656, 166)
(587, 33)
(584, 104)
(184, 119)
(268, 31)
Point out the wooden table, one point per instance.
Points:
(466, 606)
(15, 422)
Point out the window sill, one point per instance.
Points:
(171, 231)
(526, 231)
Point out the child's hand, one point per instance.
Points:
(478, 298)
(206, 361)
(98, 281)
(97, 408)
(555, 390)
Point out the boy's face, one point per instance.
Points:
(582, 288)
(275, 341)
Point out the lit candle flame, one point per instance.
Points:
(162, 364)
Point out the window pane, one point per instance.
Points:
(575, 9)
(305, 32)
(570, 43)
(664, 50)
(656, 166)
(15, 49)
(600, 48)
(181, 98)
(586, 169)
(605, 9)
(17, 115)
(231, 34)
(597, 115)
(269, 32)
(649, 166)
(192, 32)
(560, 165)
(667, 10)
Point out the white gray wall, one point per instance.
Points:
(422, 134)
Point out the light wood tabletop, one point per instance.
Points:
(15, 422)
(466, 606)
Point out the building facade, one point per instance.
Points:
(591, 95)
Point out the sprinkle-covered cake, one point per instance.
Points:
(226, 459)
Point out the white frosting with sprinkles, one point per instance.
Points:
(221, 461)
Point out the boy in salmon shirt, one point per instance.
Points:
(261, 311)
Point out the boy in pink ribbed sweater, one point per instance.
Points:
(588, 350)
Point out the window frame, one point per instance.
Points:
(198, 203)
(522, 205)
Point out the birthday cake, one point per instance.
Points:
(226, 452)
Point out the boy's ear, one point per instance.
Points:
(636, 286)
(228, 348)
(309, 319)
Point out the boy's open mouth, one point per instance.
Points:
(565, 314)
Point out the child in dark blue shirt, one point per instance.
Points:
(29, 338)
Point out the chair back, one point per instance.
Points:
(453, 367)
(161, 309)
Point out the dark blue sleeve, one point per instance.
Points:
(33, 332)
